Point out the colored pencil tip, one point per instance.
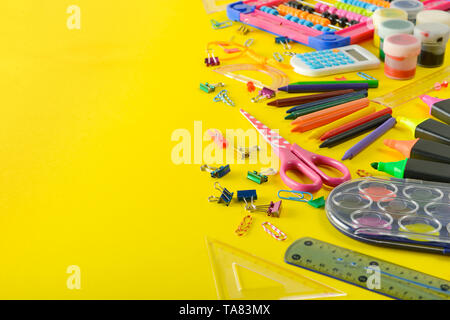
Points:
(374, 165)
(285, 88)
(290, 116)
(346, 156)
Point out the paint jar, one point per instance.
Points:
(412, 8)
(434, 37)
(433, 16)
(390, 27)
(384, 14)
(401, 51)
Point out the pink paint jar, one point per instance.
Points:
(401, 51)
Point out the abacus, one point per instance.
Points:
(321, 25)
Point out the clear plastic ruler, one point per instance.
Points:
(239, 275)
(413, 90)
(365, 271)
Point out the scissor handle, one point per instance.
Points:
(289, 162)
(313, 160)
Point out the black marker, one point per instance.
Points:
(428, 129)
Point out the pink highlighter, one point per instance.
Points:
(439, 108)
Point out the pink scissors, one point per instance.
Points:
(292, 157)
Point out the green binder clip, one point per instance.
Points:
(208, 88)
(257, 177)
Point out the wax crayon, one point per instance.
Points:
(373, 83)
(355, 123)
(365, 142)
(415, 169)
(428, 129)
(352, 133)
(355, 95)
(439, 108)
(421, 149)
(323, 87)
(287, 102)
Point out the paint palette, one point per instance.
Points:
(409, 214)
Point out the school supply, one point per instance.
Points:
(295, 158)
(300, 197)
(353, 95)
(243, 227)
(443, 5)
(220, 25)
(439, 108)
(307, 88)
(347, 119)
(224, 97)
(354, 132)
(438, 16)
(341, 104)
(400, 55)
(279, 78)
(225, 195)
(220, 141)
(415, 169)
(308, 24)
(365, 271)
(355, 123)
(365, 142)
(372, 83)
(413, 90)
(216, 172)
(421, 149)
(434, 37)
(208, 88)
(382, 15)
(401, 213)
(412, 8)
(286, 102)
(272, 209)
(428, 129)
(273, 231)
(246, 195)
(335, 61)
(391, 27)
(211, 60)
(257, 177)
(242, 275)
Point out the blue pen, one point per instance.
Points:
(375, 134)
(356, 95)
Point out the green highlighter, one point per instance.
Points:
(372, 83)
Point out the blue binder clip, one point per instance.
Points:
(216, 172)
(225, 196)
(284, 41)
(244, 195)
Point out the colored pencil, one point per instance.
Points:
(362, 93)
(323, 87)
(287, 102)
(371, 83)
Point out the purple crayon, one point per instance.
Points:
(300, 88)
(374, 135)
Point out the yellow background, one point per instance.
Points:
(85, 141)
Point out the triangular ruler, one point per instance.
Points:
(241, 275)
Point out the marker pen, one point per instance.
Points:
(439, 108)
(421, 149)
(428, 129)
(415, 169)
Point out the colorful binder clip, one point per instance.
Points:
(211, 60)
(257, 177)
(265, 93)
(220, 25)
(243, 30)
(273, 209)
(223, 96)
(300, 196)
(208, 88)
(225, 196)
(246, 195)
(216, 172)
(246, 152)
(284, 41)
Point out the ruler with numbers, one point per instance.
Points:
(365, 271)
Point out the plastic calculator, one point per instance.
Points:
(332, 61)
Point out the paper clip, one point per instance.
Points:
(244, 195)
(300, 195)
(265, 93)
(274, 231)
(220, 25)
(273, 209)
(363, 173)
(277, 56)
(211, 60)
(268, 171)
(216, 172)
(248, 42)
(243, 29)
(225, 196)
(365, 76)
(208, 88)
(257, 177)
(284, 41)
(244, 225)
(223, 96)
